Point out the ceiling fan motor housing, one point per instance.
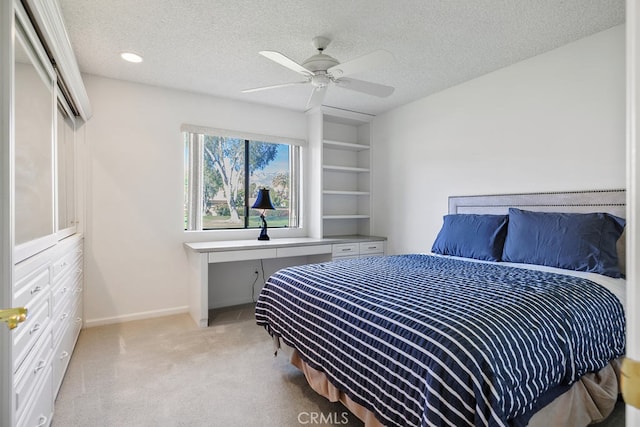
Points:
(319, 62)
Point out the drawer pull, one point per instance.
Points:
(41, 365)
(78, 270)
(35, 328)
(36, 290)
(42, 421)
(78, 319)
(77, 290)
(64, 355)
(371, 247)
(64, 316)
(346, 249)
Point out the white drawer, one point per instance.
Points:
(63, 265)
(68, 256)
(242, 255)
(304, 250)
(26, 334)
(63, 352)
(61, 295)
(72, 244)
(30, 265)
(31, 375)
(345, 249)
(40, 409)
(61, 358)
(31, 287)
(77, 288)
(63, 291)
(75, 322)
(72, 268)
(371, 247)
(61, 321)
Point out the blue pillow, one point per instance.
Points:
(581, 242)
(472, 236)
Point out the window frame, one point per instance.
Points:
(193, 143)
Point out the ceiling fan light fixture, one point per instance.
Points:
(131, 57)
(320, 80)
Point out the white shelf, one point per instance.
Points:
(346, 193)
(344, 168)
(345, 216)
(341, 202)
(345, 145)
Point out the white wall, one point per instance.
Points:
(553, 122)
(550, 123)
(136, 265)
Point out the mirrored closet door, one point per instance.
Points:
(65, 173)
(34, 154)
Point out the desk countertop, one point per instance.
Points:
(237, 245)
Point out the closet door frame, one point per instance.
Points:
(7, 34)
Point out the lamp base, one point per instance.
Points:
(263, 229)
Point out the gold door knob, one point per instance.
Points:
(13, 316)
(630, 381)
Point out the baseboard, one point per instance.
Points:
(135, 316)
(229, 302)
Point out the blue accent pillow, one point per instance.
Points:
(472, 236)
(580, 242)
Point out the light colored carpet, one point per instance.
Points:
(167, 372)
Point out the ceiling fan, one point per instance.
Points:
(321, 70)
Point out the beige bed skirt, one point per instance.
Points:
(589, 400)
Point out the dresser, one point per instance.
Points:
(49, 284)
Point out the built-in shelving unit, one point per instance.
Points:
(345, 145)
(340, 147)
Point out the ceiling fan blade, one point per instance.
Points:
(363, 63)
(365, 87)
(256, 89)
(317, 96)
(286, 62)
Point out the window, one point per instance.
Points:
(224, 173)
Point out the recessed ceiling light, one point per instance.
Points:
(131, 57)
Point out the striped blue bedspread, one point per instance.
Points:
(423, 340)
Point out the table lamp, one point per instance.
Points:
(263, 201)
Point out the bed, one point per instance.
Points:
(472, 334)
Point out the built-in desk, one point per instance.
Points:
(201, 254)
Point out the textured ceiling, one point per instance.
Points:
(211, 46)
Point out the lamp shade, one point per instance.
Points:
(263, 201)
